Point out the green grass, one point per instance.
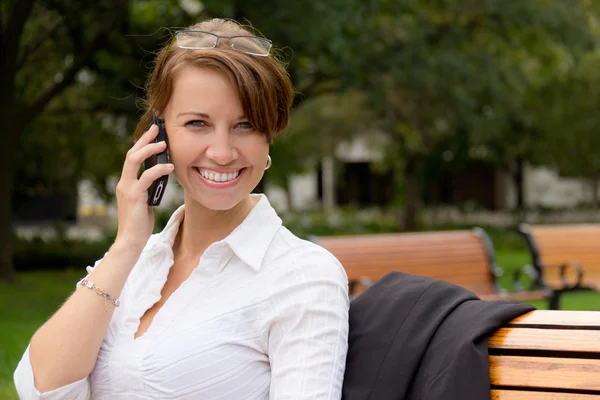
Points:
(512, 259)
(26, 306)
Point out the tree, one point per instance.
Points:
(33, 35)
(434, 67)
(67, 73)
(571, 121)
(508, 134)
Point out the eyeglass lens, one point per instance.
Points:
(203, 40)
(196, 40)
(251, 45)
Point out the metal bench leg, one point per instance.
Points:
(554, 300)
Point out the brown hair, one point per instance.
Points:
(265, 89)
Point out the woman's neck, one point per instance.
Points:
(201, 227)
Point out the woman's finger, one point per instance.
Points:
(152, 174)
(134, 160)
(146, 138)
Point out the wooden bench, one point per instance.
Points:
(547, 355)
(564, 257)
(463, 257)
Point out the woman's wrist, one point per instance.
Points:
(127, 247)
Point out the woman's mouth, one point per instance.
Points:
(219, 179)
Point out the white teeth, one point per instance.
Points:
(219, 177)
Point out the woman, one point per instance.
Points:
(225, 302)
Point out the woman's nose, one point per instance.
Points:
(221, 149)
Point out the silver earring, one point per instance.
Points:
(269, 162)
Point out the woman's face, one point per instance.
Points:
(219, 158)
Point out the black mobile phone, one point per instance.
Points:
(158, 187)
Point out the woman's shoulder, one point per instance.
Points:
(289, 252)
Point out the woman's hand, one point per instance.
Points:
(135, 216)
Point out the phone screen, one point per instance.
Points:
(158, 187)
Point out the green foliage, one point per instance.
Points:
(94, 53)
(570, 118)
(344, 221)
(440, 64)
(57, 254)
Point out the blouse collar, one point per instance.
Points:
(249, 241)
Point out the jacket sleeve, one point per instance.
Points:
(307, 327)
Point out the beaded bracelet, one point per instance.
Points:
(107, 297)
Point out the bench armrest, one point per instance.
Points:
(534, 275)
(531, 272)
(563, 270)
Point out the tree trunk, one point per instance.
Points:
(595, 195)
(519, 182)
(328, 183)
(411, 193)
(288, 194)
(8, 145)
(12, 126)
(9, 139)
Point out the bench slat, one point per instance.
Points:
(467, 246)
(545, 372)
(565, 340)
(524, 395)
(375, 272)
(438, 235)
(440, 261)
(516, 296)
(588, 319)
(399, 262)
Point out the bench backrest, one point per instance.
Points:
(545, 355)
(463, 257)
(554, 245)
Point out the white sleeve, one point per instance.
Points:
(24, 383)
(24, 380)
(307, 327)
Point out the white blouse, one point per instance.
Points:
(263, 316)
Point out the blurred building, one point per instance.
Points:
(356, 180)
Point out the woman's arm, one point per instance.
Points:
(308, 329)
(64, 350)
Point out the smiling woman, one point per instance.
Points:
(225, 302)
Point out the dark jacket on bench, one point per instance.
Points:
(413, 338)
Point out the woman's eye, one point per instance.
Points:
(245, 125)
(197, 123)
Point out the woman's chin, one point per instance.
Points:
(219, 202)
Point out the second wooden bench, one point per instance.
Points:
(463, 257)
(564, 257)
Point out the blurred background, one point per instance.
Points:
(409, 115)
